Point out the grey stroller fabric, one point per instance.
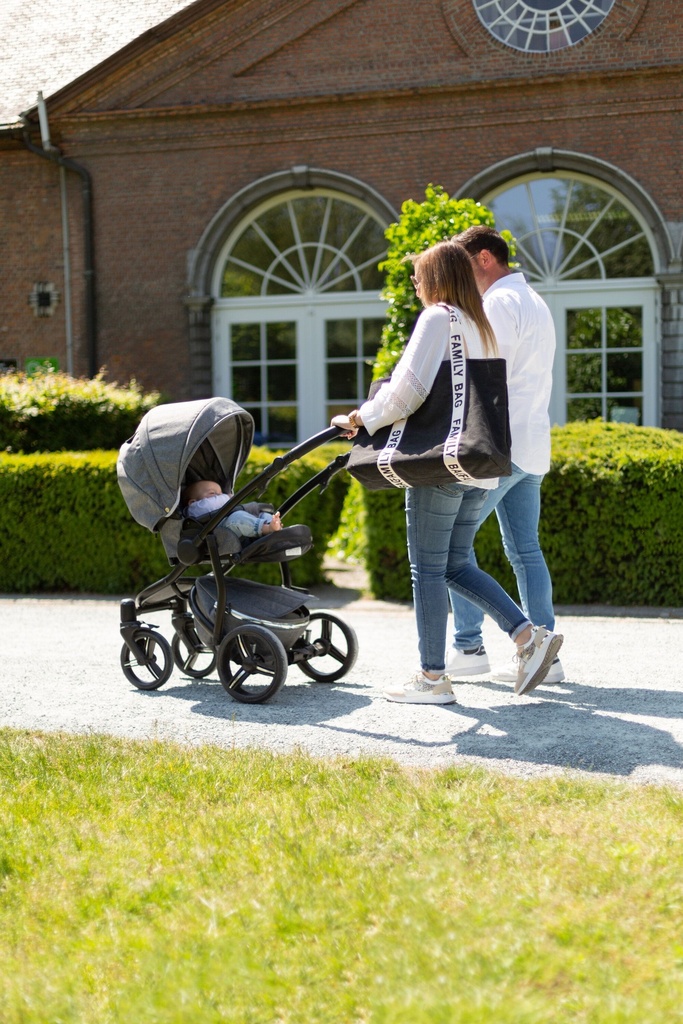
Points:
(176, 444)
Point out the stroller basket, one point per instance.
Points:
(249, 632)
(276, 608)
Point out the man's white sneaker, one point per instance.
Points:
(421, 690)
(534, 660)
(473, 661)
(508, 673)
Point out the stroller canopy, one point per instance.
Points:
(177, 444)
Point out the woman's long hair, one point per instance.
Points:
(446, 275)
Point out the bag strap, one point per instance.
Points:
(455, 318)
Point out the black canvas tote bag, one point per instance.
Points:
(460, 432)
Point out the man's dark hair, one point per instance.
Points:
(479, 237)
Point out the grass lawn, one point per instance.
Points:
(148, 882)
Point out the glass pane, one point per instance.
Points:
(246, 384)
(507, 208)
(372, 336)
(309, 213)
(338, 276)
(252, 248)
(281, 340)
(282, 383)
(283, 281)
(625, 327)
(276, 224)
(583, 409)
(340, 337)
(239, 281)
(337, 410)
(372, 279)
(342, 381)
(282, 425)
(634, 260)
(367, 380)
(245, 342)
(344, 218)
(624, 371)
(584, 373)
(256, 413)
(579, 261)
(584, 328)
(368, 244)
(625, 410)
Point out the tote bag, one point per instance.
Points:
(460, 432)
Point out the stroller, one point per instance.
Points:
(249, 631)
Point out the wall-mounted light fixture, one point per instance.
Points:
(43, 298)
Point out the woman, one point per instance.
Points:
(442, 520)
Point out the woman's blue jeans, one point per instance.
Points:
(441, 523)
(517, 502)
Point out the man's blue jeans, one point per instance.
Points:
(441, 523)
(517, 501)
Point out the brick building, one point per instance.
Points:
(210, 217)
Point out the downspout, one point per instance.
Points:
(50, 152)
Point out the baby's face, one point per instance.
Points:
(204, 489)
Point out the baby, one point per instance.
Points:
(205, 496)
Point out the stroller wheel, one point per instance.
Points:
(192, 657)
(151, 665)
(252, 663)
(337, 645)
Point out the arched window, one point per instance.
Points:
(306, 245)
(588, 253)
(298, 318)
(568, 229)
(541, 26)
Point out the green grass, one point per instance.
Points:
(148, 882)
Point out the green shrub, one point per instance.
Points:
(420, 226)
(66, 526)
(616, 492)
(55, 412)
(612, 508)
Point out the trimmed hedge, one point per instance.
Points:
(611, 523)
(54, 412)
(66, 526)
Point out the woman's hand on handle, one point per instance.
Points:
(349, 424)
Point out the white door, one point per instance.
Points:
(606, 363)
(295, 364)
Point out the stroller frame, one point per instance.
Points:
(251, 651)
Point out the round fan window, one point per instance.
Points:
(540, 26)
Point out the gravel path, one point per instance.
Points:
(619, 714)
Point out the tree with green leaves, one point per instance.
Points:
(420, 226)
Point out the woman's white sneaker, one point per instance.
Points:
(421, 690)
(508, 673)
(534, 660)
(473, 661)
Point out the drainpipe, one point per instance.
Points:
(50, 152)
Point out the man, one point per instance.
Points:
(525, 332)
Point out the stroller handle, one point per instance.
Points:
(309, 445)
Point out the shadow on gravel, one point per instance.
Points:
(581, 727)
(587, 728)
(563, 726)
(296, 703)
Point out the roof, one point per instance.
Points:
(46, 45)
